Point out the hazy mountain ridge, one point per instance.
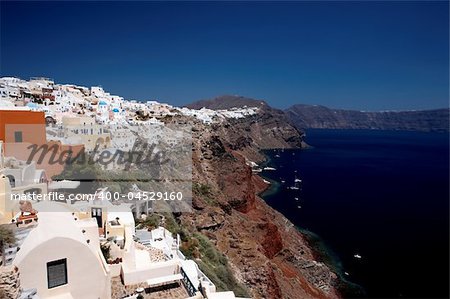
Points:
(321, 117)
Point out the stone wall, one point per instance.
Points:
(9, 282)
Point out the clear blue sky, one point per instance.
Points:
(360, 55)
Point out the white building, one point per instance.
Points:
(98, 91)
(10, 88)
(18, 177)
(61, 258)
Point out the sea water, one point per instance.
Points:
(382, 196)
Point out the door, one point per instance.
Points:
(97, 213)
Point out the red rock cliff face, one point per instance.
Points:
(272, 242)
(238, 185)
(266, 252)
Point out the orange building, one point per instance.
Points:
(19, 129)
(19, 126)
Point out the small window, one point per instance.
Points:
(57, 273)
(12, 180)
(18, 136)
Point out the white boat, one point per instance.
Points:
(269, 168)
(346, 273)
(357, 256)
(277, 156)
(283, 182)
(296, 184)
(296, 198)
(299, 207)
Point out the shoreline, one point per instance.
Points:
(321, 252)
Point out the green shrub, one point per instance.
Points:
(210, 261)
(6, 235)
(205, 192)
(152, 221)
(215, 265)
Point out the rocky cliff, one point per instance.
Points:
(265, 252)
(320, 117)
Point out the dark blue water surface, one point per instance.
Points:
(381, 194)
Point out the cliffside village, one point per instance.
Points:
(58, 247)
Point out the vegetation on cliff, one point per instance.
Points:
(214, 264)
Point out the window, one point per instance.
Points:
(18, 136)
(57, 273)
(12, 180)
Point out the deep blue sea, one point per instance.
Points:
(383, 195)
